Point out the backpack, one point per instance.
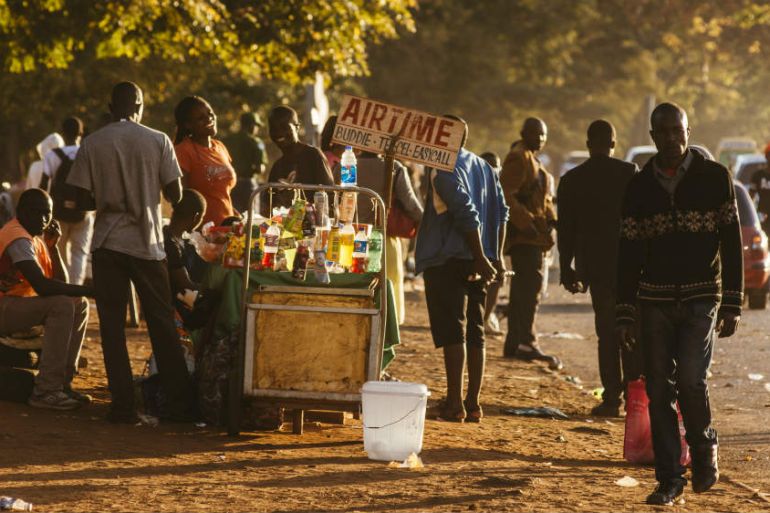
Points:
(66, 197)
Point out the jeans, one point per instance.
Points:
(678, 341)
(74, 245)
(64, 320)
(527, 264)
(112, 272)
(617, 366)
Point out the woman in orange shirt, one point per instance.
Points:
(205, 161)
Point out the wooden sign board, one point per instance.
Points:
(428, 139)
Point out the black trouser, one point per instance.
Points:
(241, 194)
(112, 272)
(678, 342)
(616, 365)
(526, 283)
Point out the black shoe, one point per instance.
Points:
(606, 409)
(705, 469)
(530, 352)
(668, 493)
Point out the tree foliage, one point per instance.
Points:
(496, 62)
(286, 40)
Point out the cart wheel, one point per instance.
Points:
(297, 421)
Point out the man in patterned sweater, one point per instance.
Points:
(680, 256)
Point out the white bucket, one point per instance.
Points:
(394, 419)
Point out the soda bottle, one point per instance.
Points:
(347, 237)
(334, 245)
(272, 235)
(348, 168)
(300, 261)
(375, 251)
(360, 245)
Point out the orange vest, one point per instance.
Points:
(12, 282)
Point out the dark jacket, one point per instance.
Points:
(589, 199)
(682, 247)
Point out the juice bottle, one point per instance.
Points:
(334, 245)
(347, 237)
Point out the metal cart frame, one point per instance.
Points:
(241, 374)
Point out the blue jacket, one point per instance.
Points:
(458, 202)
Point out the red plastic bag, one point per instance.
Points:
(637, 444)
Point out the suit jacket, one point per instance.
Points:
(590, 198)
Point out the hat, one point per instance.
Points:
(251, 118)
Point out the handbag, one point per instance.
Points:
(399, 223)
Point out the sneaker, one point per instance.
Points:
(668, 493)
(78, 396)
(53, 401)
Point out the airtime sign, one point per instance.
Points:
(425, 138)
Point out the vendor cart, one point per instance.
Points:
(307, 345)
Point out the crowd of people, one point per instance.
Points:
(658, 249)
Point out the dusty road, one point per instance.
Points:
(740, 403)
(78, 462)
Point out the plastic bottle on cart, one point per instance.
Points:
(333, 245)
(347, 238)
(348, 168)
(360, 245)
(272, 235)
(374, 265)
(321, 204)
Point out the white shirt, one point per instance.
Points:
(51, 161)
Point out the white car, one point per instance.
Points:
(746, 165)
(573, 159)
(730, 148)
(639, 155)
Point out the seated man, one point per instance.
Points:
(35, 292)
(188, 298)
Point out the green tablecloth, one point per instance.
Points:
(229, 283)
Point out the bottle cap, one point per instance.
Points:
(348, 148)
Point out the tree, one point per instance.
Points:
(62, 56)
(498, 61)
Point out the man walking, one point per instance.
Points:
(249, 159)
(126, 165)
(527, 187)
(680, 255)
(589, 199)
(459, 250)
(76, 224)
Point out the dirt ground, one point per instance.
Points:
(78, 462)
